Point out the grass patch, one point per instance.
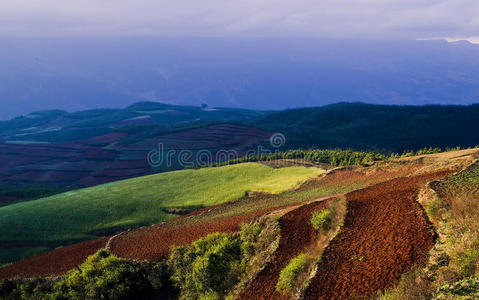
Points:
(436, 208)
(140, 201)
(321, 220)
(289, 275)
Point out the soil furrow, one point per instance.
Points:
(296, 235)
(384, 234)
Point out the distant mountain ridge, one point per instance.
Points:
(376, 127)
(86, 73)
(61, 126)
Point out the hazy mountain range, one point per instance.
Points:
(272, 74)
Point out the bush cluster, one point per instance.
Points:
(102, 276)
(289, 275)
(321, 220)
(334, 157)
(210, 267)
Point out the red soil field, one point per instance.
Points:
(228, 136)
(384, 234)
(367, 176)
(55, 262)
(154, 242)
(296, 235)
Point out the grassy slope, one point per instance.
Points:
(73, 215)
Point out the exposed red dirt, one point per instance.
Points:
(154, 242)
(384, 234)
(296, 235)
(53, 263)
(211, 137)
(365, 176)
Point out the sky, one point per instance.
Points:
(341, 19)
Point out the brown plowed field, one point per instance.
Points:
(55, 262)
(384, 234)
(296, 235)
(154, 242)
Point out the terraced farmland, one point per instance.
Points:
(385, 232)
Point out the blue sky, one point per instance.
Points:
(348, 19)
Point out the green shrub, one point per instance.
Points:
(436, 207)
(321, 220)
(249, 236)
(289, 275)
(468, 260)
(102, 276)
(208, 267)
(32, 289)
(465, 287)
(334, 157)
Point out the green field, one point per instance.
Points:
(75, 215)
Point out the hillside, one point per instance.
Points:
(376, 127)
(106, 209)
(52, 151)
(49, 149)
(356, 231)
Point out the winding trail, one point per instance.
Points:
(384, 234)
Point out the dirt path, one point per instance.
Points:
(384, 234)
(296, 235)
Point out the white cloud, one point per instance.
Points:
(323, 18)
